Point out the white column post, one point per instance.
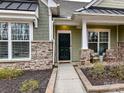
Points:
(84, 35)
(117, 35)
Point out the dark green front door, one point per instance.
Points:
(64, 46)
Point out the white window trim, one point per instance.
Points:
(101, 30)
(10, 59)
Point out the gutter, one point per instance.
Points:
(96, 14)
(67, 18)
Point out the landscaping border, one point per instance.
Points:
(101, 88)
(51, 85)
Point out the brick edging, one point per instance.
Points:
(51, 85)
(101, 88)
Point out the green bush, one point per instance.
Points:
(117, 72)
(7, 73)
(98, 70)
(29, 86)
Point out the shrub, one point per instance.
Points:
(98, 70)
(117, 72)
(7, 73)
(29, 86)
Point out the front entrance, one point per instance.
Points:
(64, 46)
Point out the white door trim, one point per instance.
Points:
(64, 31)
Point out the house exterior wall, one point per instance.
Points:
(41, 58)
(42, 32)
(76, 38)
(112, 3)
(121, 33)
(41, 47)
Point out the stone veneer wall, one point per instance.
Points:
(116, 54)
(42, 58)
(121, 50)
(85, 56)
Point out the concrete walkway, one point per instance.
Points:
(68, 80)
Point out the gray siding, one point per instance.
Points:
(112, 3)
(42, 32)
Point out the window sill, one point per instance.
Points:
(15, 60)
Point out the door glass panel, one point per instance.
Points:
(64, 46)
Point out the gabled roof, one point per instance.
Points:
(67, 8)
(22, 5)
(93, 2)
(102, 10)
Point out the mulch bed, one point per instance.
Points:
(105, 80)
(12, 86)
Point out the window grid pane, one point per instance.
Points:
(103, 36)
(20, 50)
(20, 31)
(3, 50)
(93, 36)
(93, 46)
(3, 31)
(103, 47)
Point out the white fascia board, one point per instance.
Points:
(17, 12)
(69, 19)
(19, 15)
(79, 9)
(94, 14)
(91, 3)
(15, 17)
(97, 3)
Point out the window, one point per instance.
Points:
(20, 40)
(3, 40)
(98, 41)
(17, 35)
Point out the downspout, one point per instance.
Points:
(51, 3)
(50, 25)
(51, 32)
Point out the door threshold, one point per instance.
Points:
(61, 62)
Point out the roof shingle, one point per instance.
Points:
(103, 10)
(22, 5)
